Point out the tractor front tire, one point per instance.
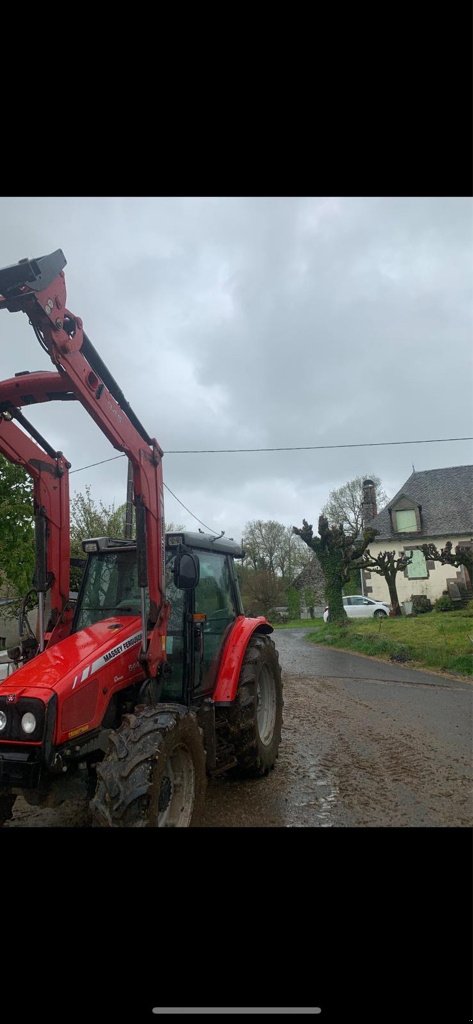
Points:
(154, 774)
(255, 718)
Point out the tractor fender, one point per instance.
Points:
(233, 654)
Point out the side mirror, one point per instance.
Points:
(186, 571)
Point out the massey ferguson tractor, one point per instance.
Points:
(156, 678)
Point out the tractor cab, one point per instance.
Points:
(202, 590)
(201, 618)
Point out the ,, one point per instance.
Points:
(359, 607)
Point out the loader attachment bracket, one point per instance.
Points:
(37, 274)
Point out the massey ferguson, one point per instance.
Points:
(155, 678)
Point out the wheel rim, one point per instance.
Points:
(177, 790)
(266, 705)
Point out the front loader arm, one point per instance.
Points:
(49, 471)
(38, 288)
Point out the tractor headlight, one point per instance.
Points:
(3, 720)
(28, 722)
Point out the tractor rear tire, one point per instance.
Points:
(255, 718)
(154, 774)
(6, 807)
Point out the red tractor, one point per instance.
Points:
(156, 679)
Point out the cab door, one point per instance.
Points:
(215, 599)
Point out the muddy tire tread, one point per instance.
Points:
(125, 776)
(253, 759)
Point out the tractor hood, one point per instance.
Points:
(85, 670)
(74, 659)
